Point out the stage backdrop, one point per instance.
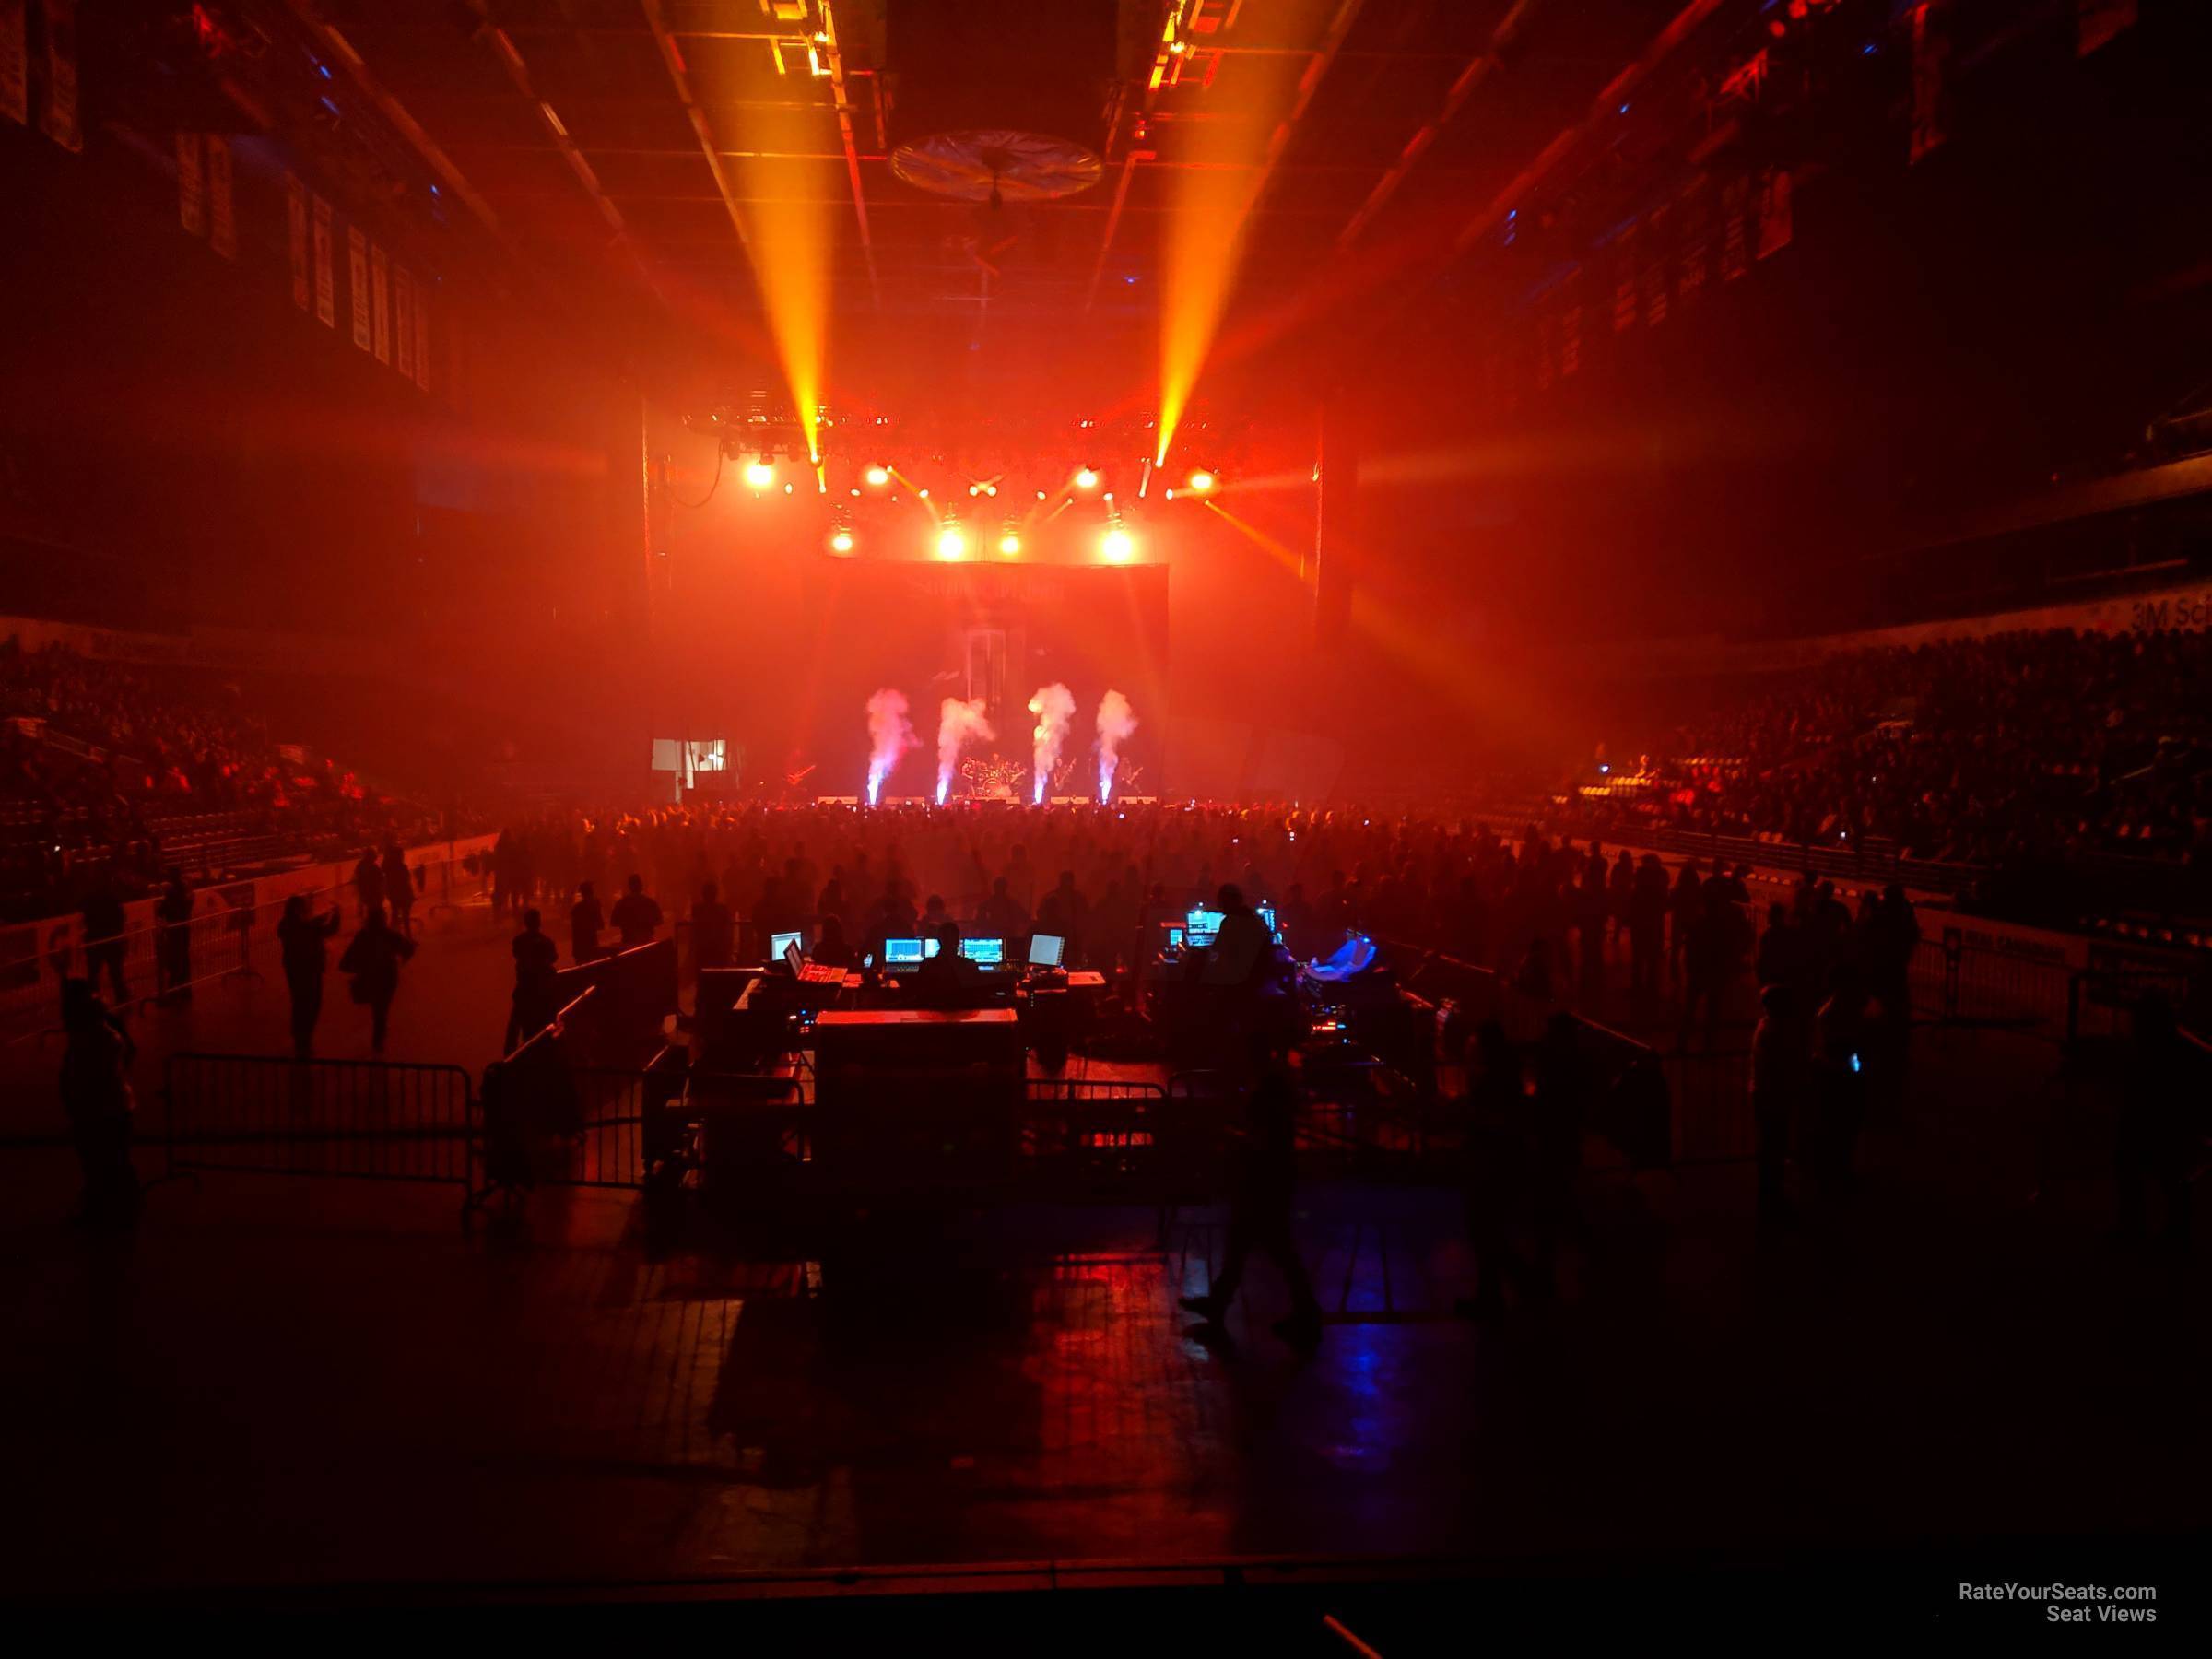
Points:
(997, 631)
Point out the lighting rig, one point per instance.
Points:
(996, 487)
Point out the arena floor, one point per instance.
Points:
(312, 1383)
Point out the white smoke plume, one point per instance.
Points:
(1116, 723)
(960, 724)
(1054, 706)
(890, 737)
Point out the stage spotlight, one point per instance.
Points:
(991, 489)
(1116, 546)
(840, 541)
(761, 473)
(1040, 495)
(951, 543)
(1087, 478)
(1009, 544)
(879, 475)
(1202, 482)
(975, 489)
(923, 493)
(787, 488)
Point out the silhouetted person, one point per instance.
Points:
(399, 888)
(537, 996)
(947, 980)
(301, 938)
(585, 924)
(890, 917)
(96, 1094)
(1647, 904)
(1264, 1182)
(368, 884)
(373, 957)
(2155, 1140)
(1065, 912)
(1781, 1074)
(102, 924)
(173, 942)
(1241, 950)
(637, 918)
(1685, 905)
(714, 930)
(1000, 916)
(832, 949)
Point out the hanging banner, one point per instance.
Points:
(403, 307)
(191, 185)
(1624, 283)
(15, 60)
(1654, 275)
(295, 202)
(1571, 328)
(1735, 257)
(60, 118)
(326, 285)
(422, 335)
(1928, 48)
(2097, 22)
(1774, 225)
(356, 270)
(222, 210)
(380, 301)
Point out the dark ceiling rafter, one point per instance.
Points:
(518, 73)
(833, 55)
(679, 76)
(1479, 69)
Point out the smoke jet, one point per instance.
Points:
(890, 737)
(1116, 720)
(958, 725)
(1054, 706)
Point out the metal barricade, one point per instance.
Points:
(363, 1119)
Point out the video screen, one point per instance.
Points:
(988, 953)
(902, 952)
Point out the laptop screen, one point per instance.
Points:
(780, 945)
(791, 952)
(1045, 949)
(903, 951)
(1203, 925)
(988, 952)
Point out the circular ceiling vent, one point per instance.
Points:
(992, 164)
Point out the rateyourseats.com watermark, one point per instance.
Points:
(2075, 1604)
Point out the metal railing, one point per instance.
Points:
(364, 1119)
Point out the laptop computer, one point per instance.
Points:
(1045, 949)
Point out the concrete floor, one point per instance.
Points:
(286, 1381)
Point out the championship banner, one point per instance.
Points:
(295, 202)
(2097, 20)
(1624, 283)
(422, 337)
(15, 60)
(326, 287)
(191, 185)
(1735, 255)
(1774, 224)
(403, 307)
(1928, 50)
(380, 296)
(357, 259)
(60, 120)
(222, 209)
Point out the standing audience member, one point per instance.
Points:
(373, 957)
(1262, 1190)
(584, 922)
(301, 938)
(536, 997)
(637, 918)
(96, 1094)
(174, 913)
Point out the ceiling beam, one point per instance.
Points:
(833, 57)
(672, 55)
(1478, 70)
